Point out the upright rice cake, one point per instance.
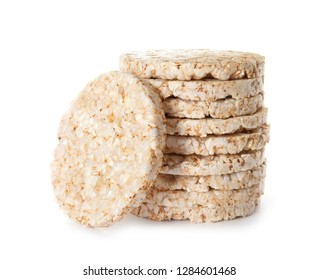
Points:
(110, 149)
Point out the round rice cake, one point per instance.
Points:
(220, 109)
(198, 214)
(195, 64)
(203, 127)
(209, 199)
(110, 149)
(231, 181)
(207, 89)
(218, 144)
(196, 165)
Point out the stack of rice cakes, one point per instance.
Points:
(213, 166)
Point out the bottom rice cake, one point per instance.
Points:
(197, 214)
(237, 180)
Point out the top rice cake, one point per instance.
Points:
(193, 64)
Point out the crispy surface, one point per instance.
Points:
(110, 149)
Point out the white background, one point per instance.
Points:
(49, 50)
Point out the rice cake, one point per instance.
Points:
(203, 127)
(218, 144)
(195, 64)
(197, 214)
(220, 109)
(209, 199)
(195, 165)
(231, 181)
(207, 89)
(110, 149)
